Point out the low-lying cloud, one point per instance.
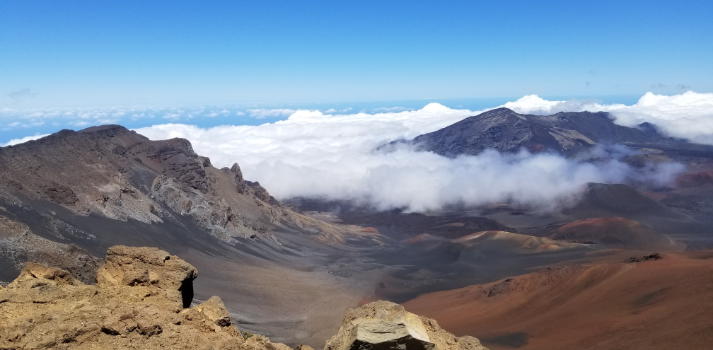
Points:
(330, 153)
(22, 140)
(315, 154)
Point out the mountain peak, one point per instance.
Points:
(508, 131)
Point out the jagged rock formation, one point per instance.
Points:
(140, 301)
(128, 266)
(507, 131)
(383, 325)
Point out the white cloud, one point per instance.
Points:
(329, 155)
(22, 140)
(262, 113)
(688, 115)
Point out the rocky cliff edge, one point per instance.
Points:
(142, 300)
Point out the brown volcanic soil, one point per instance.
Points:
(616, 232)
(664, 303)
(697, 179)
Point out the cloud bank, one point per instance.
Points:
(315, 154)
(330, 153)
(688, 115)
(22, 140)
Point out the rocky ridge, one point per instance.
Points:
(142, 300)
(115, 173)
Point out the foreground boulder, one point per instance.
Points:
(137, 303)
(383, 325)
(149, 267)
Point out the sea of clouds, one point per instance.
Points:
(331, 154)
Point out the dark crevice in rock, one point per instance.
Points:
(187, 292)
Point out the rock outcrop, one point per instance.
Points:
(149, 267)
(138, 302)
(142, 299)
(383, 325)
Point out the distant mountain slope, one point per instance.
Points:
(94, 187)
(599, 200)
(507, 131)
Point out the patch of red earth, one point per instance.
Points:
(664, 304)
(424, 237)
(698, 179)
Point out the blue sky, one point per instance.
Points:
(167, 53)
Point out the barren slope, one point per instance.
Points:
(664, 303)
(616, 232)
